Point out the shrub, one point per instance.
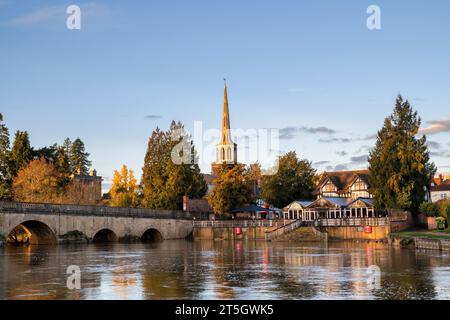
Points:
(406, 242)
(444, 209)
(447, 214)
(430, 209)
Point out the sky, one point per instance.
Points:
(310, 69)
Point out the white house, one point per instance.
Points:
(440, 191)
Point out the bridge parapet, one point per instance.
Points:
(87, 210)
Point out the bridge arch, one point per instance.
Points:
(152, 235)
(32, 232)
(104, 235)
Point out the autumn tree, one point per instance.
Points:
(124, 189)
(231, 191)
(21, 152)
(5, 168)
(254, 177)
(36, 182)
(170, 169)
(293, 180)
(400, 167)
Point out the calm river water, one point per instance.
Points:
(225, 270)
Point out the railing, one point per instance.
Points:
(353, 222)
(236, 223)
(284, 229)
(64, 209)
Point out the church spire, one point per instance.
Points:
(226, 150)
(226, 134)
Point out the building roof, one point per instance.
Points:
(369, 201)
(342, 202)
(343, 180)
(253, 208)
(302, 203)
(444, 186)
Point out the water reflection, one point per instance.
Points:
(223, 270)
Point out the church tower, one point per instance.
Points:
(226, 150)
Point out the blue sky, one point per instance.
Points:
(309, 68)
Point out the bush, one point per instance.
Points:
(430, 209)
(447, 214)
(406, 242)
(444, 209)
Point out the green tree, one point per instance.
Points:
(400, 167)
(62, 167)
(430, 209)
(292, 180)
(78, 158)
(21, 152)
(153, 180)
(49, 153)
(67, 146)
(232, 190)
(182, 170)
(170, 169)
(5, 168)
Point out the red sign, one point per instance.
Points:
(367, 229)
(237, 230)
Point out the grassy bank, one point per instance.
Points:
(442, 234)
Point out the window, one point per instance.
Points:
(359, 185)
(329, 187)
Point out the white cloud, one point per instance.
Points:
(436, 126)
(39, 16)
(57, 13)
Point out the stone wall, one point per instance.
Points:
(357, 233)
(432, 244)
(305, 234)
(249, 233)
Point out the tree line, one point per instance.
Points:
(44, 174)
(399, 164)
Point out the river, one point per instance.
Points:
(179, 269)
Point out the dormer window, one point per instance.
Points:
(359, 185)
(329, 187)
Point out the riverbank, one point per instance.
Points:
(422, 239)
(427, 234)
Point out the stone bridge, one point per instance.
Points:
(52, 224)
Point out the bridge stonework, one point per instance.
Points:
(89, 220)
